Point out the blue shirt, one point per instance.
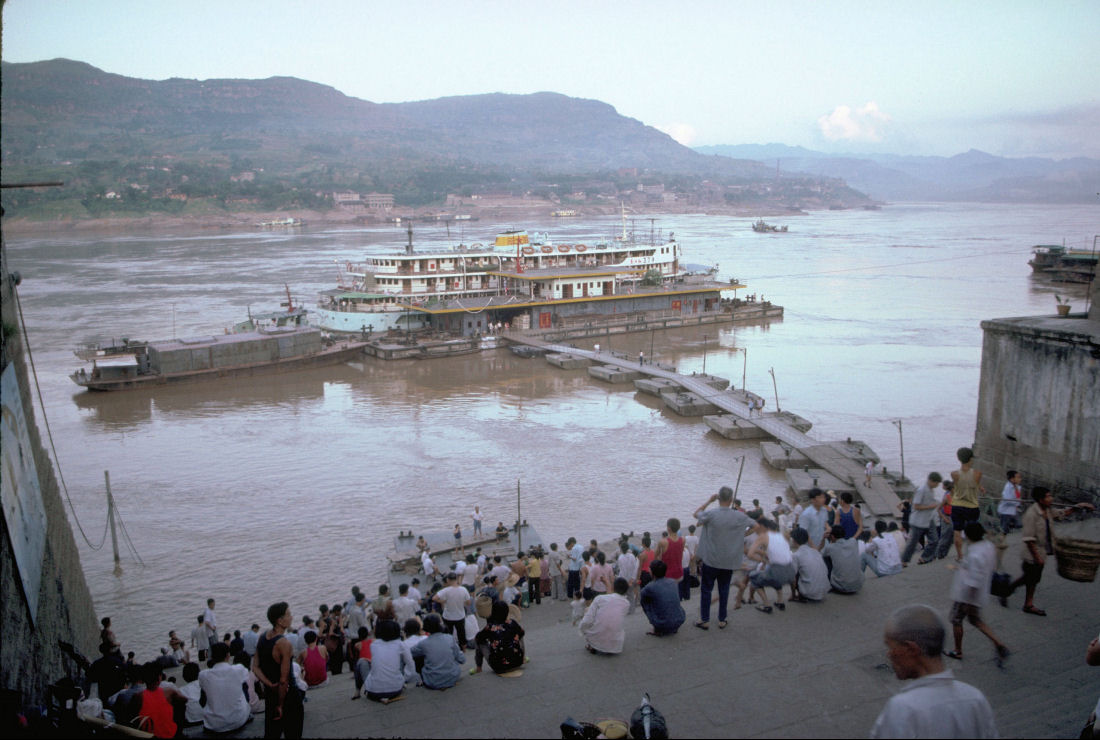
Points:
(813, 521)
(442, 657)
(660, 601)
(575, 556)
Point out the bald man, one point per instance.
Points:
(934, 704)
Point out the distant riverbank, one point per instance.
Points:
(238, 220)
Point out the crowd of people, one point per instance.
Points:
(420, 636)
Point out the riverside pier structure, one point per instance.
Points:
(834, 465)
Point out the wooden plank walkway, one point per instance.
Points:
(879, 498)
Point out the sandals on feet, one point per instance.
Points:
(702, 625)
(1035, 610)
(722, 625)
(765, 609)
(953, 654)
(780, 605)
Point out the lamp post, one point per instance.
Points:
(901, 443)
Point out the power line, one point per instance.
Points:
(49, 434)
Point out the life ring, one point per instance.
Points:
(528, 250)
(547, 249)
(580, 247)
(563, 247)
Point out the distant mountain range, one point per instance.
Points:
(62, 109)
(973, 176)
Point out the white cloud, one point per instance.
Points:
(863, 124)
(683, 133)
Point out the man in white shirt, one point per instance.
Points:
(628, 570)
(414, 592)
(477, 520)
(500, 570)
(454, 599)
(404, 607)
(358, 615)
(882, 553)
(200, 639)
(602, 624)
(935, 704)
(226, 706)
(210, 622)
(970, 590)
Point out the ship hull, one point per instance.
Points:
(342, 352)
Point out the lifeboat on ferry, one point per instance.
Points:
(528, 250)
(580, 247)
(547, 249)
(563, 248)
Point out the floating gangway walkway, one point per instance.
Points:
(841, 462)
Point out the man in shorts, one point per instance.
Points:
(970, 590)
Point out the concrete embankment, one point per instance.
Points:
(812, 670)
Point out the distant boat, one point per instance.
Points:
(760, 226)
(1062, 264)
(288, 221)
(565, 213)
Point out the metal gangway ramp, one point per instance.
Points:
(879, 498)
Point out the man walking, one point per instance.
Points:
(935, 704)
(920, 521)
(1038, 546)
(721, 550)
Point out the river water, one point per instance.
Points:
(293, 487)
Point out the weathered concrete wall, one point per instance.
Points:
(29, 656)
(1039, 403)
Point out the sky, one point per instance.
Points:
(1010, 78)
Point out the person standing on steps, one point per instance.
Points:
(964, 497)
(721, 551)
(283, 709)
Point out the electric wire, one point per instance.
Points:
(49, 433)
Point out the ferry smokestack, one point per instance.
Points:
(409, 246)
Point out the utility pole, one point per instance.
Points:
(775, 389)
(704, 354)
(901, 442)
(111, 520)
(737, 487)
(519, 520)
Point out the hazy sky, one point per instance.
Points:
(1008, 77)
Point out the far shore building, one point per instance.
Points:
(1039, 401)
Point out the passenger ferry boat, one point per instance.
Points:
(399, 291)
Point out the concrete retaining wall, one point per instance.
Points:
(29, 655)
(1039, 403)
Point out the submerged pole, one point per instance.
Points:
(111, 520)
(519, 521)
(737, 487)
(775, 388)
